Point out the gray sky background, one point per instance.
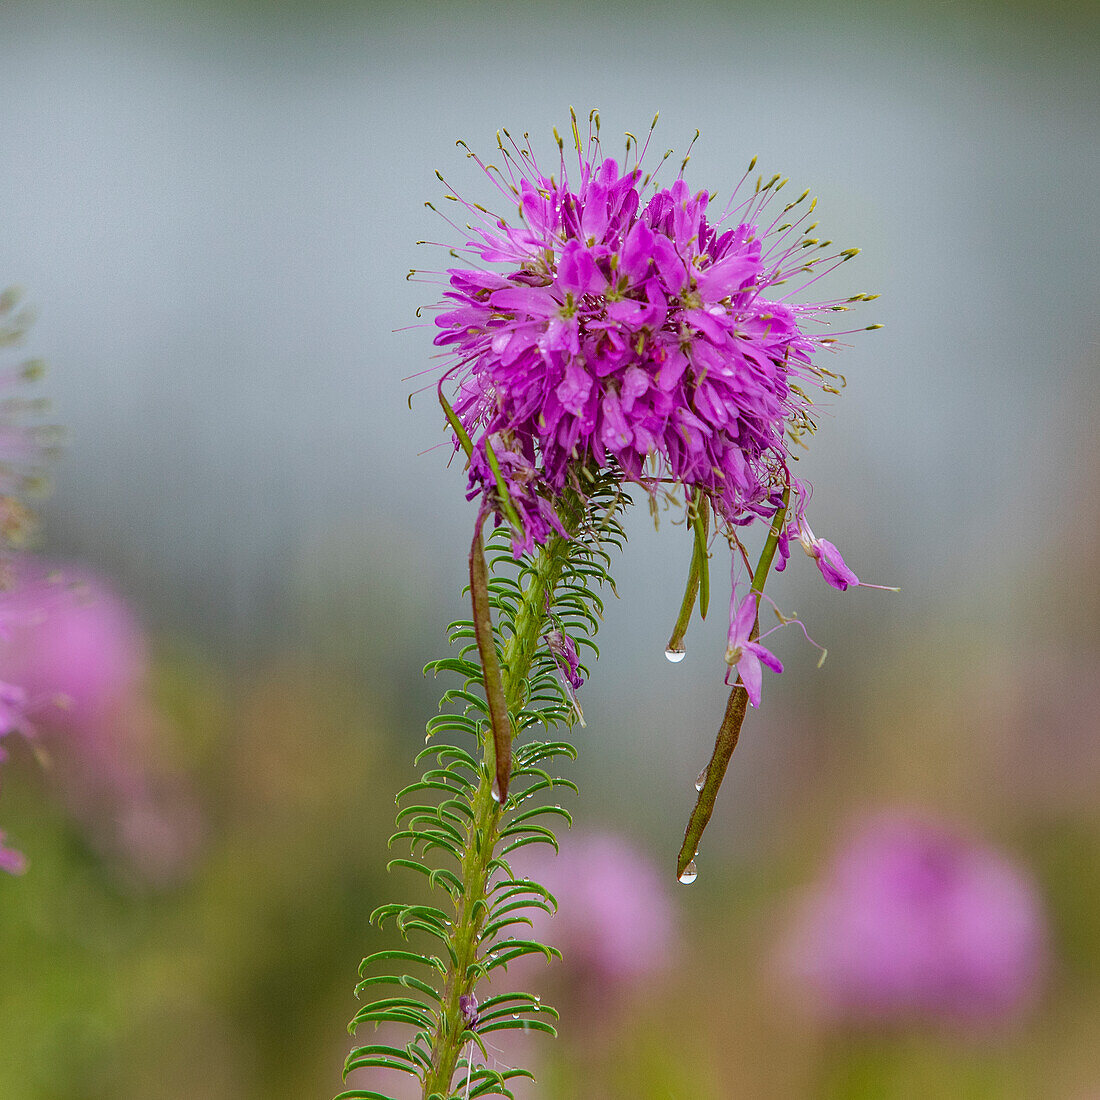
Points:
(214, 211)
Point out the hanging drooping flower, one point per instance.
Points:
(611, 322)
(742, 651)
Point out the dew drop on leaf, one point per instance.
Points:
(674, 655)
(689, 874)
(701, 781)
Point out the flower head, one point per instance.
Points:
(917, 920)
(609, 322)
(633, 324)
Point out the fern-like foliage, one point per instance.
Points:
(460, 838)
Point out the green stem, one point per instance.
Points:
(483, 833)
(698, 573)
(732, 720)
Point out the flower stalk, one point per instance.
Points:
(730, 730)
(623, 331)
(506, 682)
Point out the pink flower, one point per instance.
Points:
(827, 557)
(72, 644)
(632, 325)
(70, 652)
(79, 655)
(636, 329)
(614, 924)
(745, 655)
(916, 920)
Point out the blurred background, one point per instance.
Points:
(213, 208)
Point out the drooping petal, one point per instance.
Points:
(833, 567)
(748, 668)
(766, 656)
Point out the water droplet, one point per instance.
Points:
(674, 655)
(701, 781)
(690, 874)
(495, 791)
(515, 1015)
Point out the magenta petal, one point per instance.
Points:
(833, 567)
(751, 677)
(637, 251)
(766, 656)
(727, 276)
(745, 617)
(672, 370)
(573, 391)
(535, 301)
(633, 328)
(577, 271)
(616, 433)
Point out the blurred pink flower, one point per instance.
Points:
(71, 643)
(79, 654)
(614, 922)
(13, 862)
(914, 921)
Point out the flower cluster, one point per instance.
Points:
(915, 920)
(622, 324)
